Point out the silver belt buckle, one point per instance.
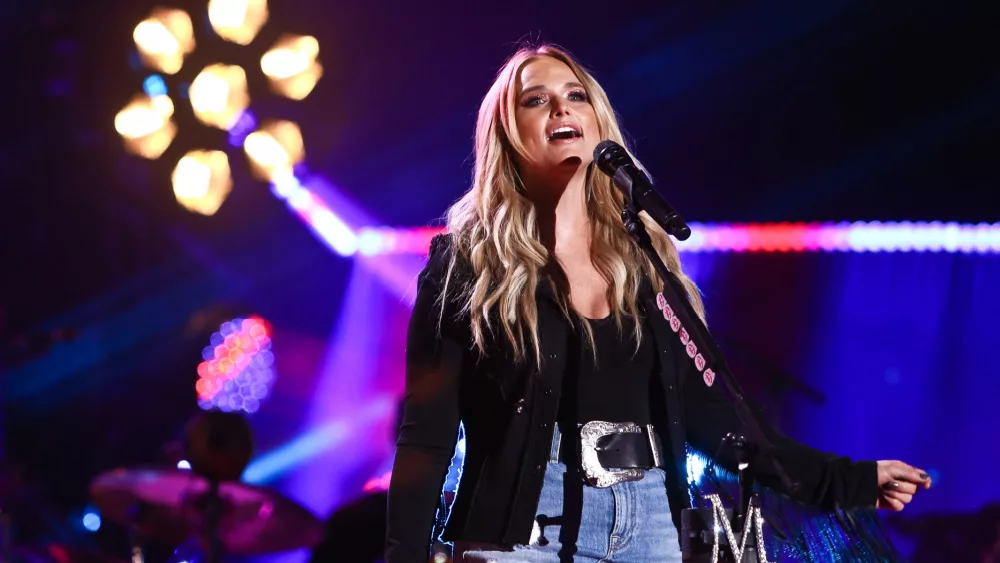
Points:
(596, 474)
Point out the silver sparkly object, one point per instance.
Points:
(753, 519)
(597, 475)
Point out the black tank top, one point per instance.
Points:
(619, 387)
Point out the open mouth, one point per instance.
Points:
(565, 132)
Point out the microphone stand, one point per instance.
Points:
(745, 447)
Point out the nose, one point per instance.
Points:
(560, 107)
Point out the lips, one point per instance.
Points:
(563, 131)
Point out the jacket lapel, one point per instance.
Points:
(553, 334)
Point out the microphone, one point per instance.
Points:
(615, 161)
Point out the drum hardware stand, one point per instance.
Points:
(212, 510)
(6, 538)
(137, 515)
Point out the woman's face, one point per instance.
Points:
(554, 118)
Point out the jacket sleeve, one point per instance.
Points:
(824, 480)
(430, 421)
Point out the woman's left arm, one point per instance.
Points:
(825, 480)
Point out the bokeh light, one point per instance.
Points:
(164, 38)
(220, 98)
(274, 150)
(92, 521)
(219, 95)
(202, 180)
(146, 126)
(291, 66)
(237, 21)
(237, 371)
(154, 85)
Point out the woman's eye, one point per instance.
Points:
(534, 101)
(578, 96)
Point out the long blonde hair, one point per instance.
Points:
(495, 227)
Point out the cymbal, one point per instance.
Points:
(60, 553)
(165, 505)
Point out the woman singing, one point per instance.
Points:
(536, 320)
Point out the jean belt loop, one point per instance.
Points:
(556, 442)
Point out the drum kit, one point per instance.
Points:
(206, 507)
(173, 506)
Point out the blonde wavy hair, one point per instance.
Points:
(495, 228)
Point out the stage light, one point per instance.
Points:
(875, 236)
(184, 464)
(274, 149)
(92, 521)
(311, 208)
(237, 20)
(373, 241)
(220, 98)
(378, 484)
(202, 180)
(145, 125)
(245, 124)
(154, 85)
(164, 38)
(291, 66)
(696, 466)
(219, 95)
(238, 374)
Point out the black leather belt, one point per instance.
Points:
(617, 450)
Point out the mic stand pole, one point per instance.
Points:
(744, 452)
(744, 446)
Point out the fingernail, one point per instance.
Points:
(891, 485)
(923, 476)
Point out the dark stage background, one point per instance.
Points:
(744, 112)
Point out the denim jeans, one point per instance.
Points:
(626, 523)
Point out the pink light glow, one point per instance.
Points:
(764, 237)
(315, 213)
(378, 484)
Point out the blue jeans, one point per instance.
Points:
(625, 523)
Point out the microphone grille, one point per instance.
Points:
(609, 155)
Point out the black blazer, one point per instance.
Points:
(509, 408)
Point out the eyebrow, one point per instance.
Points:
(541, 86)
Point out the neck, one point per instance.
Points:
(561, 209)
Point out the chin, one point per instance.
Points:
(564, 153)
(576, 160)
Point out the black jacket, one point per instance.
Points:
(508, 410)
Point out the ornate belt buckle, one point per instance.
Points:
(596, 474)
